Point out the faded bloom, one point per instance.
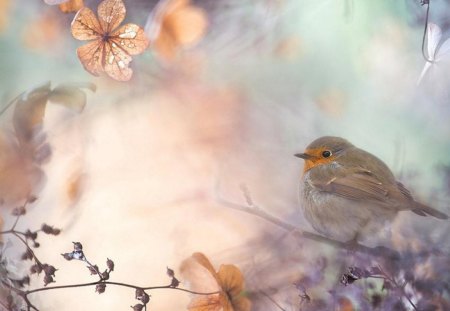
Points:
(228, 282)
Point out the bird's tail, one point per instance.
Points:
(423, 210)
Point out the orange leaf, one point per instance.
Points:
(71, 6)
(111, 48)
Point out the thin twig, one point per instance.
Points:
(397, 286)
(273, 301)
(117, 284)
(379, 251)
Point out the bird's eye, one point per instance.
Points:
(326, 153)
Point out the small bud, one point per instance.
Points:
(100, 288)
(77, 246)
(105, 275)
(37, 268)
(26, 280)
(48, 279)
(139, 293)
(145, 298)
(78, 255)
(19, 211)
(67, 256)
(174, 282)
(36, 245)
(28, 255)
(31, 235)
(170, 272)
(142, 296)
(49, 270)
(31, 199)
(110, 264)
(137, 307)
(50, 230)
(47, 229)
(93, 269)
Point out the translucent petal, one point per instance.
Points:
(111, 14)
(116, 62)
(91, 56)
(85, 25)
(434, 35)
(131, 38)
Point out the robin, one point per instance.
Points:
(348, 194)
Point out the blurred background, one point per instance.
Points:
(132, 176)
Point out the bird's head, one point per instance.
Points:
(323, 150)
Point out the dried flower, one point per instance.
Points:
(93, 269)
(28, 255)
(110, 264)
(170, 272)
(110, 47)
(77, 246)
(100, 288)
(67, 256)
(228, 281)
(105, 275)
(137, 307)
(19, 211)
(48, 269)
(36, 268)
(48, 279)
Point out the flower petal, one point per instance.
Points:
(111, 14)
(91, 56)
(231, 280)
(434, 35)
(131, 38)
(187, 25)
(116, 62)
(85, 25)
(444, 50)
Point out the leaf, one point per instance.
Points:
(71, 6)
(71, 95)
(29, 112)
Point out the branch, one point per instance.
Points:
(251, 208)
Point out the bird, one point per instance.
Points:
(348, 194)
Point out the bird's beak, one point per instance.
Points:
(303, 156)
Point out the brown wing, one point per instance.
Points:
(358, 184)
